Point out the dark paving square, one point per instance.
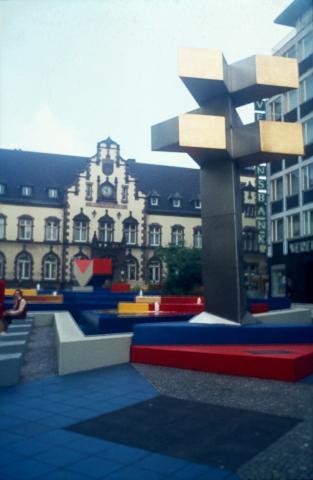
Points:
(193, 431)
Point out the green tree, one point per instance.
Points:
(184, 274)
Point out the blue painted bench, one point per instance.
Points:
(184, 333)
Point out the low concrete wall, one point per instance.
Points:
(293, 316)
(77, 352)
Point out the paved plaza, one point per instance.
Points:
(108, 424)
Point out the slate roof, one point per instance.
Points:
(40, 171)
(168, 182)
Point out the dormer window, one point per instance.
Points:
(154, 201)
(2, 188)
(26, 191)
(175, 200)
(53, 193)
(197, 204)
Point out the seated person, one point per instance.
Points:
(19, 309)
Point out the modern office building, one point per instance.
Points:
(55, 208)
(291, 180)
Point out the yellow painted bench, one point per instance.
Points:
(26, 291)
(126, 307)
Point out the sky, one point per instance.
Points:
(73, 72)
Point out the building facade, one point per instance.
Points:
(291, 180)
(56, 208)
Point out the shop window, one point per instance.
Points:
(278, 281)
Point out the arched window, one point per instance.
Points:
(197, 237)
(131, 269)
(50, 264)
(155, 270)
(23, 266)
(25, 228)
(52, 228)
(154, 235)
(130, 230)
(106, 229)
(177, 236)
(81, 228)
(2, 226)
(2, 266)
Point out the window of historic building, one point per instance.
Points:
(197, 237)
(2, 188)
(2, 266)
(23, 266)
(124, 193)
(81, 228)
(130, 230)
(293, 226)
(53, 193)
(154, 201)
(88, 193)
(176, 202)
(277, 189)
(2, 226)
(177, 237)
(308, 222)
(155, 270)
(106, 229)
(197, 204)
(278, 230)
(26, 191)
(131, 268)
(307, 175)
(52, 228)
(25, 228)
(308, 131)
(292, 183)
(50, 266)
(154, 235)
(306, 88)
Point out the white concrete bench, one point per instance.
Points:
(10, 366)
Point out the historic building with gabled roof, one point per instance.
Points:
(55, 208)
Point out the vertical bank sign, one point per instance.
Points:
(261, 207)
(261, 186)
